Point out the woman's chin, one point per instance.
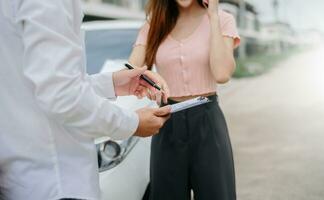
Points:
(184, 3)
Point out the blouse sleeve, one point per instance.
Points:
(229, 27)
(142, 35)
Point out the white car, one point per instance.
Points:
(123, 165)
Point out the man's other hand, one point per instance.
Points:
(151, 120)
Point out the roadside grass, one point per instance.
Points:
(260, 64)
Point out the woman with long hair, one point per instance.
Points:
(191, 44)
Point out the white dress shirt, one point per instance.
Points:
(50, 109)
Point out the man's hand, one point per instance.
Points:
(128, 82)
(151, 120)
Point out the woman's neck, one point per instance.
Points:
(195, 10)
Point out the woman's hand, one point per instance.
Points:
(212, 7)
(155, 94)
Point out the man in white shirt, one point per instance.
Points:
(51, 110)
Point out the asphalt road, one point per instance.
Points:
(276, 124)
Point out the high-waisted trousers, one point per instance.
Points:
(193, 152)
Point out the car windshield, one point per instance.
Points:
(109, 44)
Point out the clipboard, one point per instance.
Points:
(189, 104)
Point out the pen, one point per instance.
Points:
(145, 78)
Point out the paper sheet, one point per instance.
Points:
(189, 104)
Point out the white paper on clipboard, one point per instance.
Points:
(189, 104)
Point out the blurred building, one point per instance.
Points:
(310, 37)
(278, 37)
(131, 4)
(113, 9)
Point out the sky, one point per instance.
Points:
(301, 14)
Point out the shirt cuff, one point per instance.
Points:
(128, 126)
(103, 85)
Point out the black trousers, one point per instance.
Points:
(193, 152)
(70, 199)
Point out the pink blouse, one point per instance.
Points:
(184, 64)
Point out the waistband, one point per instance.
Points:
(212, 98)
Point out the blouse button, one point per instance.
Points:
(181, 57)
(181, 44)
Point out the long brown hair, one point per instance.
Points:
(162, 16)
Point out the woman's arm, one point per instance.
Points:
(221, 59)
(137, 57)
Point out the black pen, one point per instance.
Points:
(145, 78)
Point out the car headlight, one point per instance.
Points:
(111, 153)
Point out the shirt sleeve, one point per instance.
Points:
(229, 27)
(142, 35)
(55, 67)
(103, 85)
